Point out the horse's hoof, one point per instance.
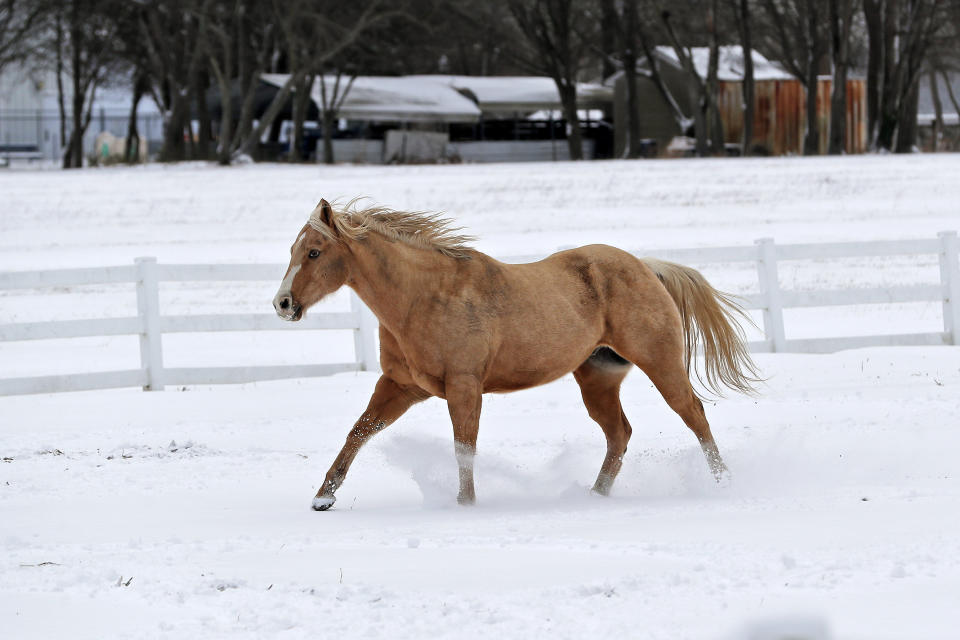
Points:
(724, 479)
(322, 503)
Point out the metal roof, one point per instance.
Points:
(394, 99)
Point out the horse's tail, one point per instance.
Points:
(710, 318)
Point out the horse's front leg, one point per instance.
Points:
(389, 401)
(464, 396)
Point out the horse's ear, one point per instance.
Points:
(326, 213)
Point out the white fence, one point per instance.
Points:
(150, 324)
(772, 300)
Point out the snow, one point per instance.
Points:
(729, 63)
(518, 93)
(188, 513)
(447, 98)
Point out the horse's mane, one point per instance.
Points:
(415, 228)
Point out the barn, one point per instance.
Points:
(779, 107)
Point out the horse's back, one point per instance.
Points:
(593, 271)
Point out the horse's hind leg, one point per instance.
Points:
(670, 377)
(599, 379)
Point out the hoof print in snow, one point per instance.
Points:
(323, 503)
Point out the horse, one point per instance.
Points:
(456, 324)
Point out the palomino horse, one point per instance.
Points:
(455, 323)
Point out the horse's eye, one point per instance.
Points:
(313, 253)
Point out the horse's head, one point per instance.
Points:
(318, 265)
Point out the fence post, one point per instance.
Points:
(773, 328)
(365, 337)
(148, 308)
(950, 279)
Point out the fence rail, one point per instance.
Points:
(150, 324)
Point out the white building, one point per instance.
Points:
(30, 114)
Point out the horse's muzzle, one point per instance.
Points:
(286, 307)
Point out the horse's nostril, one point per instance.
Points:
(284, 303)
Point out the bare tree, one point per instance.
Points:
(84, 39)
(794, 35)
(238, 40)
(630, 35)
(900, 34)
(332, 99)
(938, 112)
(169, 29)
(558, 34)
(744, 27)
(697, 90)
(332, 30)
(714, 121)
(131, 152)
(19, 23)
(620, 35)
(841, 23)
(467, 37)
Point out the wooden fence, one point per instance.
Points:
(150, 324)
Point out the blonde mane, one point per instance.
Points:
(417, 229)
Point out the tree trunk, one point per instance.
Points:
(695, 94)
(225, 132)
(838, 111)
(886, 125)
(950, 94)
(811, 139)
(191, 142)
(629, 56)
(874, 20)
(568, 100)
(173, 149)
(131, 151)
(907, 120)
(204, 124)
(61, 104)
(633, 110)
(713, 88)
(329, 123)
(938, 112)
(301, 104)
(252, 139)
(74, 156)
(608, 31)
(748, 81)
(839, 34)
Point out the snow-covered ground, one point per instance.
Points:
(186, 514)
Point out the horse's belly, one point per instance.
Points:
(520, 379)
(512, 371)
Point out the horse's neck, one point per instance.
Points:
(390, 275)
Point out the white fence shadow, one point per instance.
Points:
(150, 324)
